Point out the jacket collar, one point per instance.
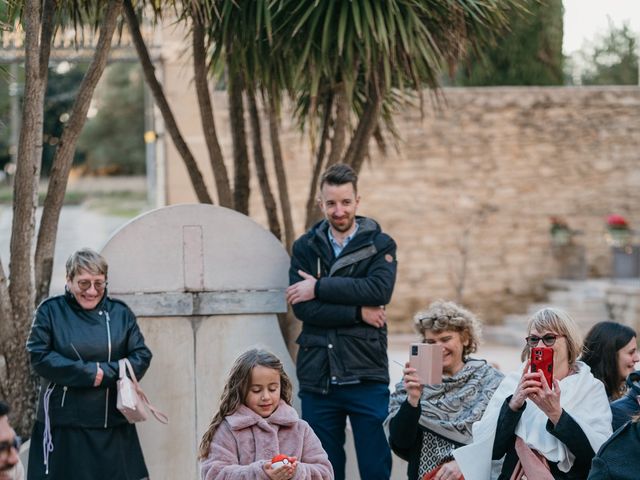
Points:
(367, 228)
(633, 382)
(244, 417)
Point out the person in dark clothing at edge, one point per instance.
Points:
(629, 405)
(342, 275)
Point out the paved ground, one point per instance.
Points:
(78, 227)
(81, 227)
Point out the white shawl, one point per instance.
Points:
(581, 396)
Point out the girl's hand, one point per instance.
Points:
(285, 472)
(449, 471)
(548, 400)
(529, 383)
(412, 385)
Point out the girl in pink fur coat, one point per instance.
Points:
(255, 422)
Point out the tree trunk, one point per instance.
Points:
(218, 167)
(281, 176)
(241, 189)
(312, 212)
(261, 168)
(17, 383)
(63, 158)
(366, 126)
(339, 127)
(158, 95)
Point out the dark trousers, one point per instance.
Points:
(367, 405)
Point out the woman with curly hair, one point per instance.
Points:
(427, 422)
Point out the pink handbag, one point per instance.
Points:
(132, 402)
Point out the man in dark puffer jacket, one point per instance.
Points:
(342, 275)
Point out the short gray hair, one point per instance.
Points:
(88, 260)
(443, 316)
(560, 322)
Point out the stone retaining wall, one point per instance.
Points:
(469, 193)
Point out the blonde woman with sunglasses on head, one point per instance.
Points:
(539, 430)
(75, 343)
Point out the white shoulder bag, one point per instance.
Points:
(132, 402)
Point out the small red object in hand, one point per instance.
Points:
(281, 460)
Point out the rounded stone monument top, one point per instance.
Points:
(195, 248)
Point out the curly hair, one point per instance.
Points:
(443, 316)
(237, 387)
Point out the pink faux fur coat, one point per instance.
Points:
(245, 441)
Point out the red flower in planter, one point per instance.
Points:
(617, 222)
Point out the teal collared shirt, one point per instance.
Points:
(337, 248)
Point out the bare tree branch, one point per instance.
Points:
(218, 167)
(312, 213)
(63, 158)
(339, 126)
(241, 188)
(359, 145)
(261, 170)
(158, 95)
(281, 176)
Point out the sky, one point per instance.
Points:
(585, 19)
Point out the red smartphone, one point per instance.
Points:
(427, 360)
(542, 360)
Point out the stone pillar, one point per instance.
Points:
(206, 284)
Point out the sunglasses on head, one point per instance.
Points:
(99, 285)
(549, 339)
(5, 447)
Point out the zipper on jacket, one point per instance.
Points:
(64, 394)
(106, 404)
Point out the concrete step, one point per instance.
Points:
(504, 335)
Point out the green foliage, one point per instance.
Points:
(529, 53)
(612, 60)
(113, 140)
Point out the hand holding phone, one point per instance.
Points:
(427, 360)
(542, 360)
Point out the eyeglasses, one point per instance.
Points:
(549, 339)
(99, 285)
(5, 447)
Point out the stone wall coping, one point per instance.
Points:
(541, 88)
(179, 304)
(628, 287)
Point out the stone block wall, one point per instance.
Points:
(469, 192)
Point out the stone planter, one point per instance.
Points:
(625, 262)
(570, 260)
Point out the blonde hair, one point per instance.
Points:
(237, 387)
(443, 316)
(88, 260)
(560, 322)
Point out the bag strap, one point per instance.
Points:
(122, 368)
(161, 417)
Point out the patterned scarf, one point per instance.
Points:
(450, 408)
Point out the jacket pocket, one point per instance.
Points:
(312, 364)
(362, 349)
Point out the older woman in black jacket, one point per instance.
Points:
(75, 343)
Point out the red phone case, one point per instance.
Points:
(542, 359)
